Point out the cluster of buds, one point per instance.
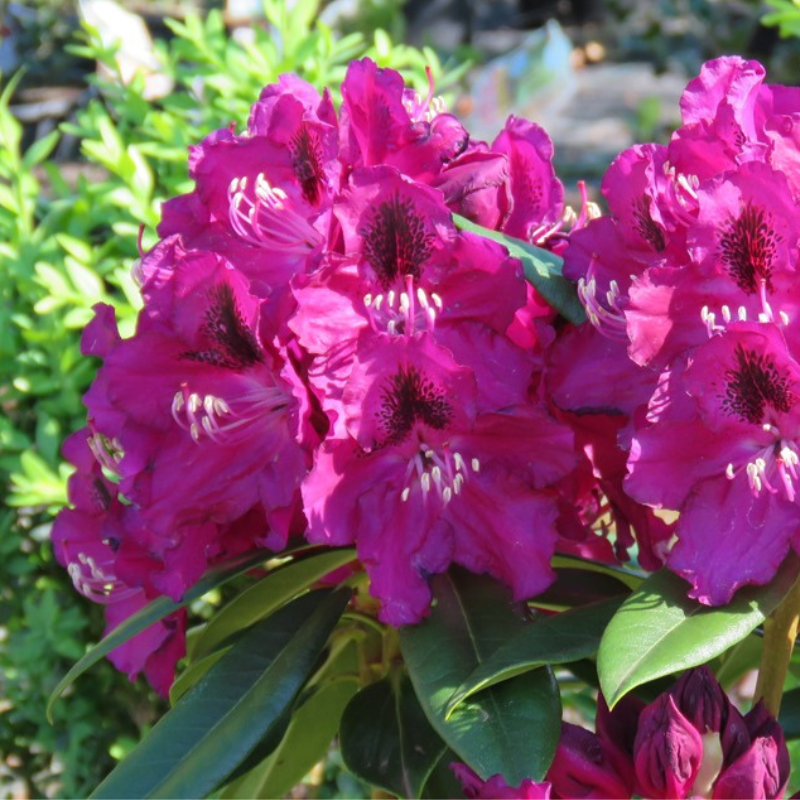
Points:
(690, 742)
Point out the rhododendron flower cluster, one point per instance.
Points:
(689, 285)
(323, 354)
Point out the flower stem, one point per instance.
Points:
(780, 631)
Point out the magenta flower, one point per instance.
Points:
(734, 401)
(382, 122)
(262, 199)
(201, 404)
(496, 786)
(94, 543)
(451, 483)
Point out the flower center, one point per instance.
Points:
(395, 240)
(264, 216)
(753, 385)
(443, 473)
(307, 163)
(604, 312)
(234, 345)
(96, 580)
(209, 416)
(403, 313)
(775, 468)
(748, 248)
(408, 398)
(645, 225)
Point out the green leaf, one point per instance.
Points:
(560, 639)
(305, 743)
(633, 580)
(511, 728)
(40, 149)
(151, 613)
(579, 587)
(192, 674)
(215, 726)
(271, 592)
(542, 269)
(386, 739)
(789, 716)
(658, 630)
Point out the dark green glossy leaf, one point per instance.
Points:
(271, 592)
(659, 630)
(442, 782)
(542, 269)
(215, 726)
(305, 743)
(152, 613)
(559, 639)
(308, 731)
(511, 728)
(386, 739)
(579, 587)
(192, 674)
(631, 578)
(789, 715)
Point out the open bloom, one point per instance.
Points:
(422, 478)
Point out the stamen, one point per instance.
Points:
(266, 217)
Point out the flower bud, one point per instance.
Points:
(762, 770)
(667, 752)
(617, 731)
(701, 700)
(583, 768)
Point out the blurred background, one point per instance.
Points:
(99, 101)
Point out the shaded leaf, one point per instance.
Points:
(789, 715)
(570, 636)
(387, 740)
(511, 728)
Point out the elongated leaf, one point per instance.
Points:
(658, 630)
(151, 613)
(214, 727)
(305, 743)
(561, 639)
(192, 674)
(271, 592)
(387, 740)
(308, 733)
(542, 269)
(511, 728)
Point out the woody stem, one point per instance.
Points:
(780, 632)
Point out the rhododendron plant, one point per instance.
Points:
(359, 391)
